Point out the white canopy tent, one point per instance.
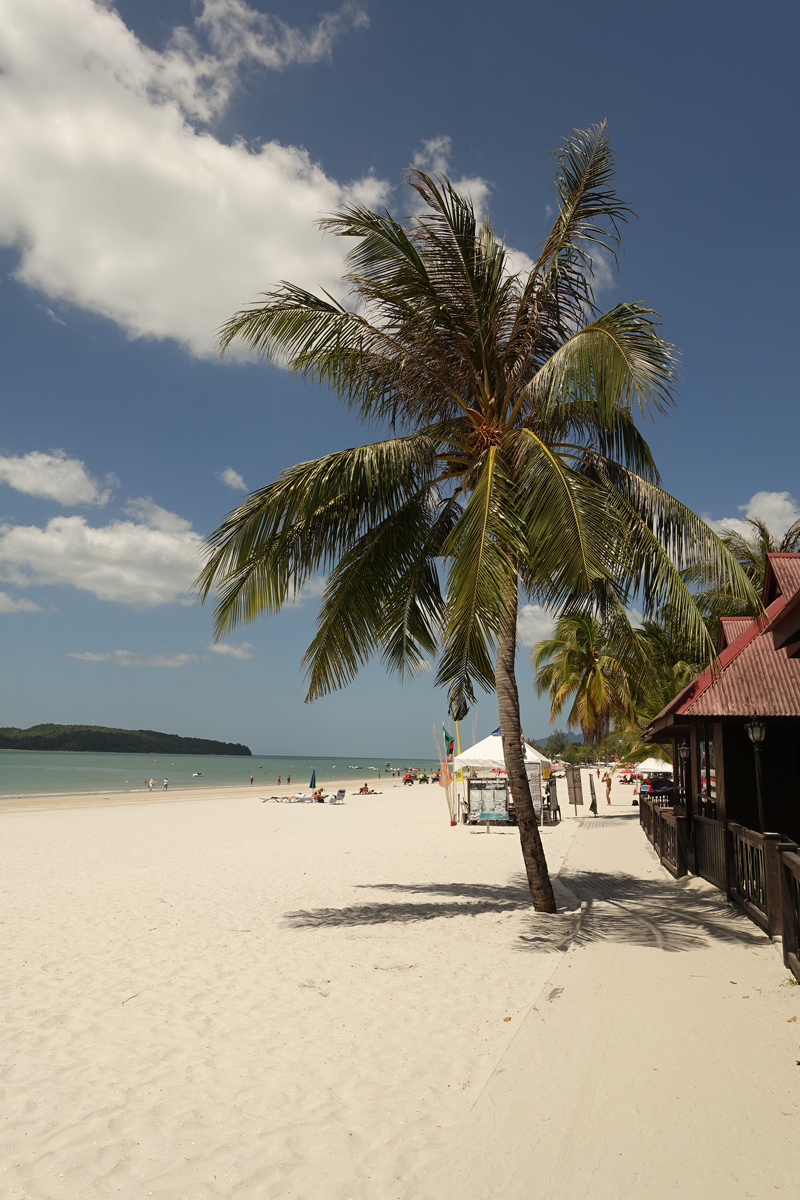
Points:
(488, 755)
(652, 764)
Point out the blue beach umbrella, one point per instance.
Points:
(313, 783)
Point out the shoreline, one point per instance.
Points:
(52, 801)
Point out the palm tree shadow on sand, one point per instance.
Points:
(593, 907)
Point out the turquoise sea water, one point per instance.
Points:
(35, 772)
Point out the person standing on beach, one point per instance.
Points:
(150, 786)
(251, 781)
(607, 782)
(166, 785)
(288, 780)
(279, 779)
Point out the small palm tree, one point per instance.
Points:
(718, 599)
(512, 465)
(579, 662)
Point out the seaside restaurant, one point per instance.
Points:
(735, 730)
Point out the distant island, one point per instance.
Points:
(119, 741)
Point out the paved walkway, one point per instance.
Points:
(661, 1059)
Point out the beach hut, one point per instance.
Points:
(484, 791)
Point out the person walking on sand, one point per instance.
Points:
(251, 781)
(150, 786)
(288, 780)
(279, 780)
(166, 785)
(607, 782)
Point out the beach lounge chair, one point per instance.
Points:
(338, 798)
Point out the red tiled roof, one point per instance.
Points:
(786, 571)
(750, 677)
(730, 628)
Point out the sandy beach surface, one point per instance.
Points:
(219, 997)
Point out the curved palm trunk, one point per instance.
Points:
(511, 732)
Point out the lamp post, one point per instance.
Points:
(684, 753)
(757, 731)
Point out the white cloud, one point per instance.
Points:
(534, 624)
(127, 658)
(434, 159)
(233, 649)
(233, 479)
(8, 604)
(54, 477)
(142, 563)
(120, 203)
(156, 517)
(310, 591)
(778, 510)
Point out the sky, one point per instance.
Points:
(165, 162)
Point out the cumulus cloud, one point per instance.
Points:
(127, 658)
(122, 202)
(233, 479)
(778, 510)
(54, 477)
(310, 591)
(233, 649)
(434, 159)
(143, 562)
(9, 605)
(200, 66)
(534, 624)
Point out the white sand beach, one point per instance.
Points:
(219, 997)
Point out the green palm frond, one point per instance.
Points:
(271, 545)
(481, 549)
(361, 595)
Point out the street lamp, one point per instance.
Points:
(684, 752)
(757, 731)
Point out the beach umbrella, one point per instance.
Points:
(313, 783)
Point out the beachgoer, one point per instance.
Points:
(279, 779)
(288, 780)
(150, 786)
(166, 785)
(607, 782)
(251, 780)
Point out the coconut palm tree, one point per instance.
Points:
(580, 662)
(511, 465)
(717, 599)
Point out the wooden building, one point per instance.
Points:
(756, 678)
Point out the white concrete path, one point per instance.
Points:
(661, 1058)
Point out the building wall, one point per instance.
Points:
(780, 758)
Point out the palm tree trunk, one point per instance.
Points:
(511, 733)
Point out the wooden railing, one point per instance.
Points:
(790, 896)
(754, 876)
(709, 851)
(758, 871)
(667, 832)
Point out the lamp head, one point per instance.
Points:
(684, 750)
(756, 731)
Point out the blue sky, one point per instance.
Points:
(164, 162)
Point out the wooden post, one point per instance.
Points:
(772, 881)
(680, 841)
(730, 862)
(791, 942)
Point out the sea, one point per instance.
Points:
(50, 772)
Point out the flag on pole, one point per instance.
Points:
(448, 743)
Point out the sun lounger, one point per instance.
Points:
(338, 798)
